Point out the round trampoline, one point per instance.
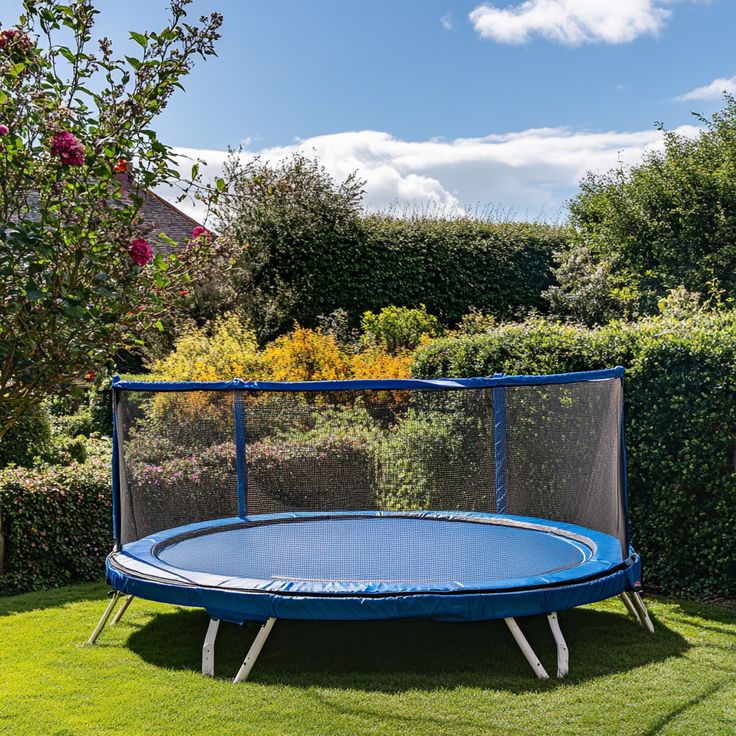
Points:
(366, 564)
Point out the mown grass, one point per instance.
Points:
(372, 678)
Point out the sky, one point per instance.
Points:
(499, 107)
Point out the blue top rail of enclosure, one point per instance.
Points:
(369, 384)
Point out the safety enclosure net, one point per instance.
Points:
(548, 447)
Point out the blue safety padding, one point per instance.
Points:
(238, 607)
(367, 384)
(221, 559)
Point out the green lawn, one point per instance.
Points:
(374, 678)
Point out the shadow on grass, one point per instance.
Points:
(391, 656)
(54, 598)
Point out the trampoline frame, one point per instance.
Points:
(627, 575)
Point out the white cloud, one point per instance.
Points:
(446, 21)
(528, 173)
(571, 22)
(712, 91)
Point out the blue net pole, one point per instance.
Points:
(241, 467)
(499, 441)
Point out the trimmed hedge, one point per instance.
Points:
(680, 388)
(450, 266)
(55, 523)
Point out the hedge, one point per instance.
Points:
(450, 266)
(56, 524)
(680, 410)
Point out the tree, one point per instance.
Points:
(78, 280)
(643, 231)
(293, 229)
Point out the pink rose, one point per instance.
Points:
(69, 150)
(4, 130)
(140, 251)
(199, 230)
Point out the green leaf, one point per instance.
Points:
(139, 38)
(135, 63)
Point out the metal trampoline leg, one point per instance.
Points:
(532, 658)
(630, 607)
(208, 648)
(254, 651)
(116, 619)
(563, 661)
(642, 611)
(106, 615)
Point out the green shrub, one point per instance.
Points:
(56, 523)
(30, 437)
(680, 388)
(666, 222)
(400, 328)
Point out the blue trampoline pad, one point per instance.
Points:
(374, 553)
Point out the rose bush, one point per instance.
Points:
(78, 279)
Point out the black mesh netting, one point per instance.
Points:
(397, 450)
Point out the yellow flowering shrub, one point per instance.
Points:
(306, 355)
(227, 350)
(376, 362)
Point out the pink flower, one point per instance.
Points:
(67, 148)
(201, 234)
(4, 130)
(140, 251)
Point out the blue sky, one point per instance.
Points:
(459, 103)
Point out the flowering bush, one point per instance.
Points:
(78, 278)
(227, 349)
(306, 355)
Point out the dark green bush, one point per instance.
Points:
(680, 388)
(56, 523)
(30, 437)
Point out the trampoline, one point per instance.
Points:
(450, 499)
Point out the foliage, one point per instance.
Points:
(680, 412)
(27, 439)
(306, 250)
(375, 362)
(453, 265)
(306, 355)
(56, 523)
(400, 328)
(475, 322)
(295, 228)
(223, 350)
(669, 221)
(77, 276)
